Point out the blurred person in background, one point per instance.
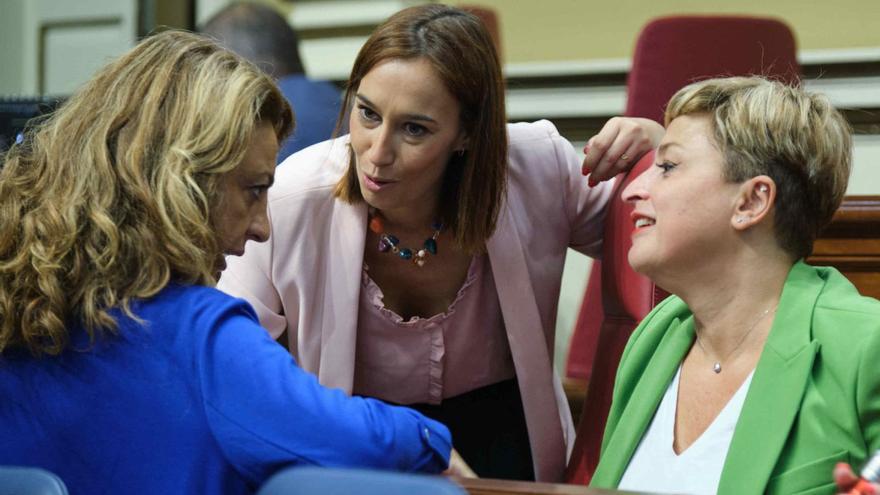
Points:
(260, 34)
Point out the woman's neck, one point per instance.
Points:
(410, 219)
(736, 299)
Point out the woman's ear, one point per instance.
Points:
(461, 143)
(754, 202)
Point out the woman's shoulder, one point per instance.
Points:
(180, 318)
(664, 329)
(191, 305)
(667, 314)
(524, 133)
(314, 170)
(840, 308)
(828, 295)
(537, 155)
(662, 326)
(839, 294)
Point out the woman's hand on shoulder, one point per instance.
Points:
(850, 484)
(618, 146)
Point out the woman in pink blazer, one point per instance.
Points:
(418, 259)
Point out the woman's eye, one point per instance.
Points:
(368, 114)
(257, 191)
(415, 130)
(666, 167)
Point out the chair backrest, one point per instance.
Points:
(490, 19)
(670, 53)
(626, 298)
(19, 480)
(582, 348)
(332, 481)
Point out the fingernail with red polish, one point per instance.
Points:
(592, 182)
(585, 170)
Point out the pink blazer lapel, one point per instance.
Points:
(528, 346)
(340, 298)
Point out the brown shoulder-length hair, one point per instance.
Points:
(460, 49)
(111, 197)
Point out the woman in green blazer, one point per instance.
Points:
(767, 365)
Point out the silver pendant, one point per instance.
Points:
(717, 367)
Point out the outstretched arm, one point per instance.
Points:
(266, 412)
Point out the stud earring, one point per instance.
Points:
(740, 219)
(762, 188)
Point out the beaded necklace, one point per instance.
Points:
(391, 244)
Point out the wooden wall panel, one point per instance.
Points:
(851, 243)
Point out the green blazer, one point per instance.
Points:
(814, 399)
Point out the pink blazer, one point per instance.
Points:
(307, 277)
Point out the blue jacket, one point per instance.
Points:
(199, 399)
(315, 106)
(814, 399)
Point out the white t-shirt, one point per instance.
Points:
(656, 468)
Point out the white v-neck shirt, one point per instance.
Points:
(656, 468)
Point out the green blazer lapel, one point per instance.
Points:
(777, 388)
(651, 383)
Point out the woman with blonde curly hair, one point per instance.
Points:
(121, 368)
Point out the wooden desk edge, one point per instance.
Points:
(488, 486)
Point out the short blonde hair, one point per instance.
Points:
(797, 138)
(110, 199)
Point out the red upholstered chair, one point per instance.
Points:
(670, 53)
(490, 20)
(626, 298)
(582, 349)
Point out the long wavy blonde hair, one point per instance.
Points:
(110, 198)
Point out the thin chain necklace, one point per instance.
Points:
(717, 366)
(391, 244)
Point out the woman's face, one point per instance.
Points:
(241, 215)
(683, 206)
(404, 128)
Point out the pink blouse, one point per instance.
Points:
(425, 360)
